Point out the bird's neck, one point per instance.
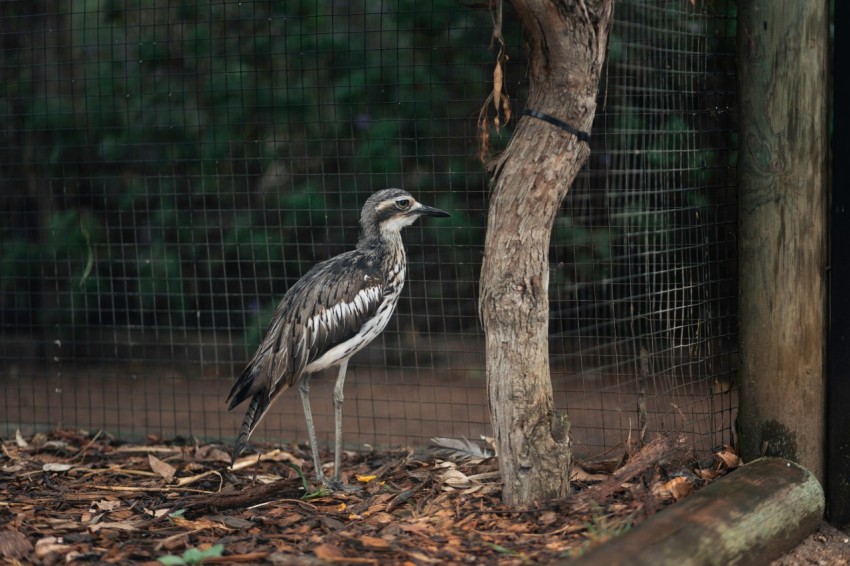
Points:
(387, 245)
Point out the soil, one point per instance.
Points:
(827, 546)
(73, 498)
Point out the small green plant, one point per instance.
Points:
(320, 492)
(501, 549)
(192, 556)
(176, 514)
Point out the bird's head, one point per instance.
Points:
(387, 212)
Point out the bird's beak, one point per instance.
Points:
(423, 210)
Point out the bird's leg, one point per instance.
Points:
(304, 393)
(338, 399)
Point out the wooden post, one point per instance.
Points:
(782, 62)
(751, 516)
(567, 43)
(838, 385)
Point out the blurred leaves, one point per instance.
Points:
(184, 164)
(662, 175)
(175, 163)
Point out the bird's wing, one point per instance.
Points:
(330, 306)
(326, 307)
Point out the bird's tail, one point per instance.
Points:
(245, 386)
(256, 411)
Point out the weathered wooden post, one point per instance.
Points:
(838, 385)
(782, 71)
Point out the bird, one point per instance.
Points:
(335, 310)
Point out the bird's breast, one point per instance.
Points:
(395, 279)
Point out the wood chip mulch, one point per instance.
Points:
(70, 497)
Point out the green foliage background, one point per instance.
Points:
(180, 164)
(172, 163)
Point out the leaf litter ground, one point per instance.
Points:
(68, 496)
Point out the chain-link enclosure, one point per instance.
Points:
(169, 169)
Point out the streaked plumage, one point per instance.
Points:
(329, 315)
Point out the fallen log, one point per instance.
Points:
(750, 516)
(282, 488)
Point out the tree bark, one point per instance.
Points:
(782, 57)
(567, 42)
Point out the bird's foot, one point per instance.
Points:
(336, 484)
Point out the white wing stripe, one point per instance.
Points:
(340, 311)
(370, 329)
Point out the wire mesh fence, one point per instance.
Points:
(169, 169)
(644, 288)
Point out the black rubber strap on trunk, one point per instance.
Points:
(582, 136)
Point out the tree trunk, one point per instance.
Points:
(782, 50)
(567, 41)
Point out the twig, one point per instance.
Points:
(660, 449)
(405, 495)
(166, 540)
(245, 498)
(145, 449)
(238, 558)
(116, 471)
(641, 400)
(275, 455)
(82, 451)
(151, 489)
(306, 504)
(192, 479)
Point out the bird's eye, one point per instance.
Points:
(403, 203)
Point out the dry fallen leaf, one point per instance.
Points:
(328, 552)
(675, 489)
(201, 524)
(48, 545)
(55, 467)
(374, 543)
(164, 469)
(456, 479)
(39, 439)
(108, 504)
(729, 460)
(232, 522)
(380, 518)
(19, 440)
(707, 474)
(59, 524)
(120, 526)
(212, 453)
(411, 520)
(155, 513)
(272, 455)
(580, 475)
(506, 107)
(192, 479)
(497, 88)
